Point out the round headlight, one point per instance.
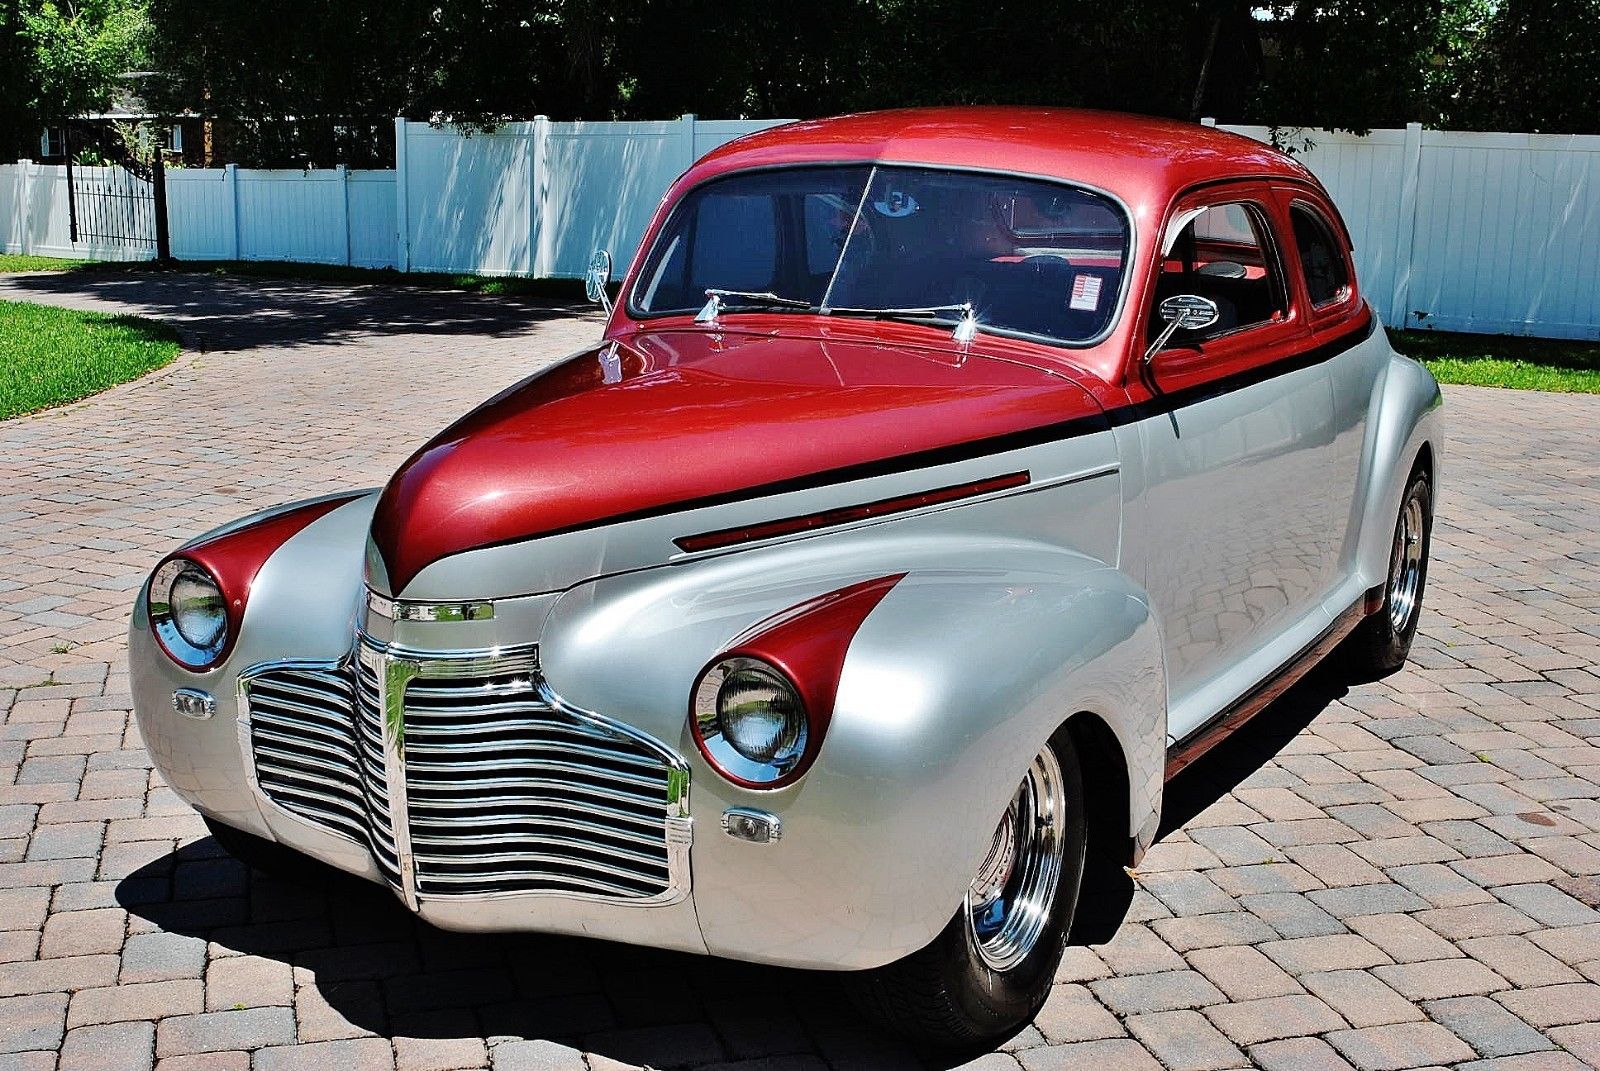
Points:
(751, 721)
(198, 610)
(188, 613)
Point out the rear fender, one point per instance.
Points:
(1406, 415)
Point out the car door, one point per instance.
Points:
(1235, 439)
(1338, 318)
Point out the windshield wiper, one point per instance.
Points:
(966, 327)
(717, 300)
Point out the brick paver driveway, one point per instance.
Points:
(1387, 875)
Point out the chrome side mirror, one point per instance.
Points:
(1185, 312)
(597, 278)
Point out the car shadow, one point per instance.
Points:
(364, 965)
(1226, 766)
(372, 965)
(1108, 890)
(220, 312)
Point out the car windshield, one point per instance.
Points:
(1027, 256)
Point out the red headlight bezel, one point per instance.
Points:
(806, 646)
(234, 558)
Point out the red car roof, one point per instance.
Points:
(1142, 160)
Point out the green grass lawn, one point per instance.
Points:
(50, 356)
(18, 262)
(1505, 360)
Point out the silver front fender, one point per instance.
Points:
(302, 605)
(952, 685)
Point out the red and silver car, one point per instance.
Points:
(943, 482)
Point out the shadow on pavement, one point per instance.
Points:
(383, 971)
(237, 313)
(1225, 766)
(1108, 890)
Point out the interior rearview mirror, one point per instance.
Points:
(1182, 312)
(597, 278)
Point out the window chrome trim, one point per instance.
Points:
(397, 666)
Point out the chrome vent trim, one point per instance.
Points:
(301, 739)
(465, 777)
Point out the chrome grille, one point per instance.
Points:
(304, 742)
(507, 793)
(504, 790)
(369, 733)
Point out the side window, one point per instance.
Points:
(1225, 253)
(1327, 275)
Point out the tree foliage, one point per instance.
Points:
(297, 81)
(1536, 67)
(80, 50)
(18, 125)
(1348, 64)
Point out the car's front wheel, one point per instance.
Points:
(988, 973)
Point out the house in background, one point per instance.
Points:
(183, 141)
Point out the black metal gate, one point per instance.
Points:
(123, 204)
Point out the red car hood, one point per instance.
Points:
(681, 419)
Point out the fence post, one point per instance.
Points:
(1406, 225)
(230, 193)
(402, 211)
(25, 204)
(540, 249)
(342, 174)
(689, 155)
(158, 190)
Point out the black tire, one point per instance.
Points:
(267, 856)
(945, 999)
(1380, 644)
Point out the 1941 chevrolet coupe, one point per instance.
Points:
(944, 481)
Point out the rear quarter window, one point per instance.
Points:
(1322, 256)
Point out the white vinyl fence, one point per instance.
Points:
(1496, 233)
(311, 217)
(34, 218)
(1462, 231)
(538, 198)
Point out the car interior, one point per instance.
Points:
(1223, 254)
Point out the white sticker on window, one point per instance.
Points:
(1085, 293)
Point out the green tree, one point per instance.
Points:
(1535, 67)
(19, 128)
(1348, 64)
(80, 50)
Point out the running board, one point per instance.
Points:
(1232, 718)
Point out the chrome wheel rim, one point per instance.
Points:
(1009, 901)
(1405, 565)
